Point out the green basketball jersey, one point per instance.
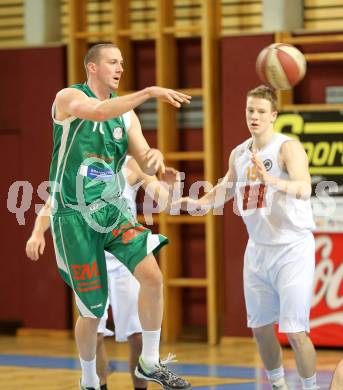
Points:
(87, 159)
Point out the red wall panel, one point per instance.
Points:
(319, 75)
(144, 64)
(189, 63)
(34, 294)
(10, 300)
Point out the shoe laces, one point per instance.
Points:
(169, 375)
(169, 359)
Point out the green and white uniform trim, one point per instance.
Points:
(87, 153)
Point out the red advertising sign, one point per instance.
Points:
(321, 133)
(327, 299)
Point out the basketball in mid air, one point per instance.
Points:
(281, 66)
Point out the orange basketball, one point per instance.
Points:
(281, 66)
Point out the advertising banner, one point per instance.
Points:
(327, 300)
(321, 134)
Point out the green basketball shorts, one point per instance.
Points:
(80, 240)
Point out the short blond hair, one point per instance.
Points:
(93, 54)
(264, 92)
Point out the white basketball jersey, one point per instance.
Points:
(272, 217)
(130, 194)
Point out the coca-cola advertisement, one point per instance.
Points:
(321, 135)
(327, 299)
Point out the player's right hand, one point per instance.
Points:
(170, 96)
(35, 246)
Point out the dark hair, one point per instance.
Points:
(264, 92)
(93, 53)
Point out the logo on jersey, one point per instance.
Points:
(118, 133)
(268, 164)
(96, 173)
(85, 271)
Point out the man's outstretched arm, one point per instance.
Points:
(75, 103)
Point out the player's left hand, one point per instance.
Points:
(154, 162)
(260, 168)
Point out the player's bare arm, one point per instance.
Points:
(294, 161)
(150, 160)
(74, 103)
(160, 189)
(36, 243)
(220, 194)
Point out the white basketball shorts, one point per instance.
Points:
(123, 291)
(278, 284)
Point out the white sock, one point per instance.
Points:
(89, 377)
(151, 348)
(276, 376)
(309, 383)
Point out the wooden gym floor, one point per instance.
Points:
(50, 363)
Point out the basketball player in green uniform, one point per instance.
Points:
(89, 214)
(123, 287)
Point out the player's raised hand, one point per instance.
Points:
(170, 96)
(260, 168)
(35, 246)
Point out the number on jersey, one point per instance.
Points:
(253, 196)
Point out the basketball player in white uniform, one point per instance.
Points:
(269, 177)
(123, 287)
